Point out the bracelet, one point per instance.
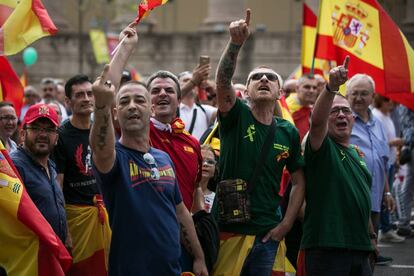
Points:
(388, 194)
(373, 236)
(330, 91)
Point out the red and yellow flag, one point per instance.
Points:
(364, 31)
(29, 246)
(23, 78)
(310, 20)
(146, 6)
(21, 23)
(11, 88)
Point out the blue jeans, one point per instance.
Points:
(261, 258)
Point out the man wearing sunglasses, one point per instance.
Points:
(243, 131)
(38, 172)
(139, 183)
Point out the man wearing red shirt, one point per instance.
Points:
(168, 134)
(301, 103)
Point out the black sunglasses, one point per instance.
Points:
(269, 76)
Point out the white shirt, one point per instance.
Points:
(202, 121)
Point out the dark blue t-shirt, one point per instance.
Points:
(142, 214)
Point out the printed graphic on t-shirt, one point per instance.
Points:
(250, 133)
(140, 175)
(84, 166)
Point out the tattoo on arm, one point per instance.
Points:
(103, 131)
(185, 239)
(227, 66)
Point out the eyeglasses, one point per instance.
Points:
(149, 159)
(8, 118)
(345, 110)
(269, 76)
(30, 95)
(37, 129)
(209, 162)
(360, 94)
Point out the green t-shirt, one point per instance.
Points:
(338, 202)
(241, 141)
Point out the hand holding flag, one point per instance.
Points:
(146, 6)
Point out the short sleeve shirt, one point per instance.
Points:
(72, 155)
(241, 141)
(142, 214)
(338, 204)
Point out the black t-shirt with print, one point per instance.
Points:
(73, 158)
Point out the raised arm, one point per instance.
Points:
(322, 108)
(200, 74)
(120, 59)
(239, 32)
(102, 137)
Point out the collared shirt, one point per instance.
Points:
(44, 191)
(371, 139)
(406, 124)
(12, 145)
(185, 153)
(202, 121)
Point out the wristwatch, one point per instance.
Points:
(373, 236)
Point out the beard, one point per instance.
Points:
(39, 150)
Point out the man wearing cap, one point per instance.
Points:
(38, 172)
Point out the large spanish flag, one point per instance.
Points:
(29, 246)
(11, 88)
(365, 32)
(146, 6)
(21, 23)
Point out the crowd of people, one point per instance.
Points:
(183, 173)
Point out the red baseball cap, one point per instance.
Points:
(40, 111)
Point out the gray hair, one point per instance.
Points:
(358, 77)
(164, 75)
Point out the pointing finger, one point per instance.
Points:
(247, 20)
(346, 62)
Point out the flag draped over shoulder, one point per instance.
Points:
(11, 88)
(146, 6)
(21, 23)
(364, 31)
(29, 246)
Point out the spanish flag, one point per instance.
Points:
(22, 22)
(365, 32)
(11, 88)
(146, 6)
(309, 26)
(29, 246)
